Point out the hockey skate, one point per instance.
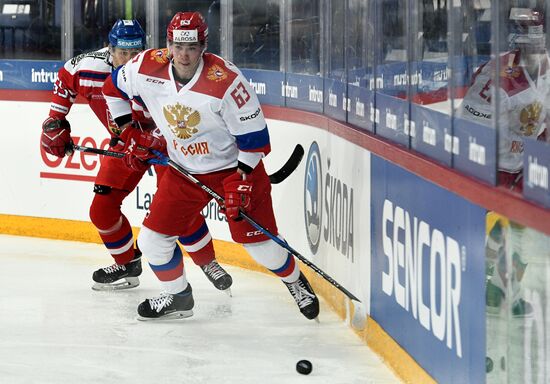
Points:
(304, 296)
(117, 277)
(218, 276)
(167, 306)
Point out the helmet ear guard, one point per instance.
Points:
(127, 34)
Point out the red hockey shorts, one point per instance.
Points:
(115, 174)
(178, 202)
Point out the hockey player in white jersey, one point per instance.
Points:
(84, 75)
(524, 92)
(214, 127)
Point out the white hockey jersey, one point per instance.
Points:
(210, 124)
(523, 108)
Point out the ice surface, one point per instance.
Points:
(55, 329)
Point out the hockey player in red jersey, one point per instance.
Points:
(84, 75)
(524, 93)
(214, 126)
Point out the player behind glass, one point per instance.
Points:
(84, 75)
(214, 126)
(524, 93)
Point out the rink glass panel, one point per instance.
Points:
(30, 30)
(360, 61)
(303, 28)
(256, 34)
(94, 19)
(469, 48)
(391, 108)
(428, 79)
(334, 68)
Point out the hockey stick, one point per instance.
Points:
(290, 165)
(358, 320)
(275, 178)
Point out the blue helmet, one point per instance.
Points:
(127, 34)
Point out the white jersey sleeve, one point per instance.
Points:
(245, 120)
(119, 89)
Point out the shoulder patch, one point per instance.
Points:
(512, 76)
(216, 73)
(155, 63)
(159, 55)
(215, 77)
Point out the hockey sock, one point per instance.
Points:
(113, 227)
(198, 244)
(165, 259)
(119, 241)
(276, 259)
(171, 274)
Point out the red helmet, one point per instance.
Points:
(187, 27)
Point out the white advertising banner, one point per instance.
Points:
(323, 208)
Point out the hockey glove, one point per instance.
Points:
(138, 146)
(238, 191)
(56, 137)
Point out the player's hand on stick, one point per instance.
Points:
(138, 147)
(56, 137)
(238, 190)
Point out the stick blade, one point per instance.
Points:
(290, 165)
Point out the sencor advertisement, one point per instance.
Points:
(427, 265)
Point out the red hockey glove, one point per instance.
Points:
(138, 145)
(56, 137)
(237, 194)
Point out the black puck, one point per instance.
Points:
(304, 367)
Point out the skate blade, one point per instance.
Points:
(228, 292)
(171, 316)
(129, 282)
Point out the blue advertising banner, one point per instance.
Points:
(336, 102)
(359, 77)
(426, 76)
(361, 100)
(303, 92)
(474, 150)
(267, 85)
(536, 162)
(393, 112)
(31, 75)
(428, 273)
(431, 128)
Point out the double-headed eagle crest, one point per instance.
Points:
(159, 55)
(216, 73)
(529, 118)
(182, 120)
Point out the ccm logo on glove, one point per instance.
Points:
(238, 193)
